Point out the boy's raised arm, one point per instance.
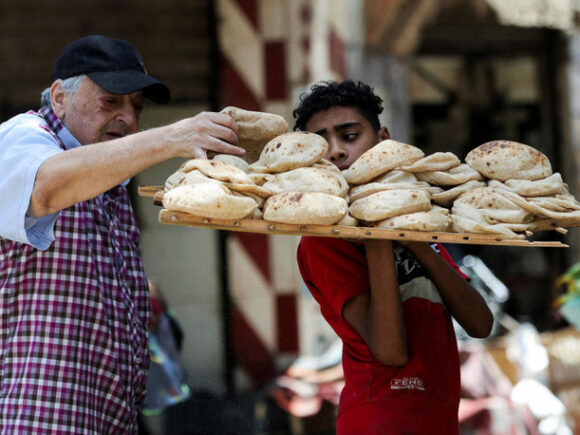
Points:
(462, 300)
(377, 316)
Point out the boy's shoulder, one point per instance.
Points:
(329, 243)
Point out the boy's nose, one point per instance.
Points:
(335, 151)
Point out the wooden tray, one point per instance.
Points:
(345, 232)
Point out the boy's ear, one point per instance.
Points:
(384, 134)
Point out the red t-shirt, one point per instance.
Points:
(423, 395)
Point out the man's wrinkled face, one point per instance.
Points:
(348, 133)
(95, 115)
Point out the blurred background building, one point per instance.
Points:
(453, 74)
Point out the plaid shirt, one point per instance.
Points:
(73, 323)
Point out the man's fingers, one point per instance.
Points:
(226, 121)
(207, 131)
(221, 119)
(225, 134)
(225, 148)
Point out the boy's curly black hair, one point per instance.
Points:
(325, 95)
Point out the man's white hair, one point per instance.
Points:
(69, 86)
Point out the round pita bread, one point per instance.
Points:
(211, 200)
(383, 157)
(462, 224)
(439, 161)
(259, 199)
(467, 219)
(251, 189)
(503, 160)
(218, 170)
(256, 214)
(364, 190)
(236, 161)
(446, 197)
(552, 185)
(388, 203)
(473, 220)
(194, 177)
(435, 219)
(255, 129)
(396, 176)
(540, 207)
(259, 178)
(290, 151)
(348, 221)
(175, 177)
(459, 174)
(493, 205)
(308, 179)
(563, 202)
(305, 208)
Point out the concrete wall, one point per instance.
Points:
(184, 262)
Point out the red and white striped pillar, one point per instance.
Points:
(265, 48)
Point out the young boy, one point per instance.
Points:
(390, 302)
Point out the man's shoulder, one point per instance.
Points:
(24, 120)
(26, 127)
(322, 249)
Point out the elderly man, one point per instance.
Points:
(74, 299)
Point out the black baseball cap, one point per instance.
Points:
(113, 64)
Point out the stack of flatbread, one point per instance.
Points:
(305, 188)
(522, 194)
(221, 188)
(214, 189)
(385, 194)
(449, 174)
(486, 210)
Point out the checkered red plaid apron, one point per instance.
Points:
(73, 324)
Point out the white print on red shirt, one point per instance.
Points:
(413, 383)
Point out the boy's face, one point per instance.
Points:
(348, 133)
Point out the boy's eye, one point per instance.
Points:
(350, 136)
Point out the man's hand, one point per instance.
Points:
(207, 131)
